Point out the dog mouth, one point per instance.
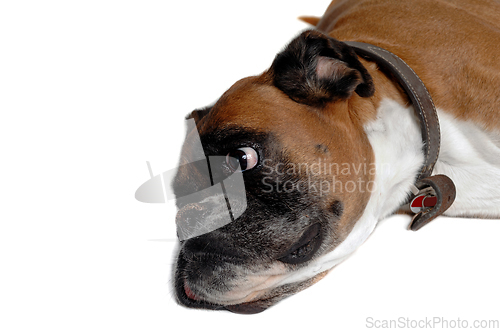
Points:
(187, 297)
(190, 299)
(189, 293)
(297, 254)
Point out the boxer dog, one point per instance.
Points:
(328, 145)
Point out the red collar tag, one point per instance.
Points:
(422, 201)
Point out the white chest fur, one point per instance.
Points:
(469, 156)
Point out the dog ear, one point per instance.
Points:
(315, 69)
(197, 115)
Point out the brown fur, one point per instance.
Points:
(452, 45)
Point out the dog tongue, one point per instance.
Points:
(189, 292)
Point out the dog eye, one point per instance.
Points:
(245, 158)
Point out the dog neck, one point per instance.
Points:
(416, 92)
(441, 186)
(396, 141)
(395, 135)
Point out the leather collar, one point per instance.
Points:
(439, 187)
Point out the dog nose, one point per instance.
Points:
(188, 219)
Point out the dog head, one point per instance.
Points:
(296, 135)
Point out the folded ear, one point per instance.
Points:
(315, 69)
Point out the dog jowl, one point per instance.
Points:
(308, 174)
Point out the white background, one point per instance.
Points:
(91, 90)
